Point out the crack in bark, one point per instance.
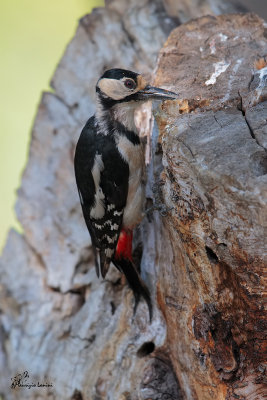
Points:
(217, 121)
(129, 37)
(89, 340)
(243, 111)
(188, 148)
(134, 45)
(252, 133)
(35, 252)
(70, 108)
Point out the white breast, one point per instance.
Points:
(134, 156)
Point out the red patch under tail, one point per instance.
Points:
(124, 245)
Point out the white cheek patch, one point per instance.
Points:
(113, 88)
(98, 211)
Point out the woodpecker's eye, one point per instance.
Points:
(129, 84)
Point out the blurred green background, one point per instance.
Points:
(33, 36)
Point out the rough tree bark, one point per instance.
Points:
(203, 261)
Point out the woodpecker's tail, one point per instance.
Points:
(135, 282)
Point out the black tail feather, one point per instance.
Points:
(135, 282)
(104, 263)
(96, 261)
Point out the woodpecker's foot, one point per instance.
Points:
(135, 282)
(146, 296)
(161, 208)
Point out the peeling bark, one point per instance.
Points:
(203, 253)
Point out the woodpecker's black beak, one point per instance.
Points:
(154, 93)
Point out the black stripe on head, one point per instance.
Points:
(118, 73)
(107, 102)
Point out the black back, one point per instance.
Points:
(114, 184)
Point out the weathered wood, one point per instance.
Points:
(202, 262)
(212, 282)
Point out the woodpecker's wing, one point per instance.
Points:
(102, 181)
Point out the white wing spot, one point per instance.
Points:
(109, 252)
(81, 198)
(111, 239)
(98, 211)
(118, 213)
(98, 226)
(110, 207)
(113, 227)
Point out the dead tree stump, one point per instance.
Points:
(203, 258)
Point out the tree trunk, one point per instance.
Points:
(203, 251)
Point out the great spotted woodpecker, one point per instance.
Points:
(109, 168)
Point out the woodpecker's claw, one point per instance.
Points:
(161, 208)
(136, 284)
(146, 297)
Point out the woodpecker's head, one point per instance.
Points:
(120, 92)
(120, 86)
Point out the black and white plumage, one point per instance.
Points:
(109, 167)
